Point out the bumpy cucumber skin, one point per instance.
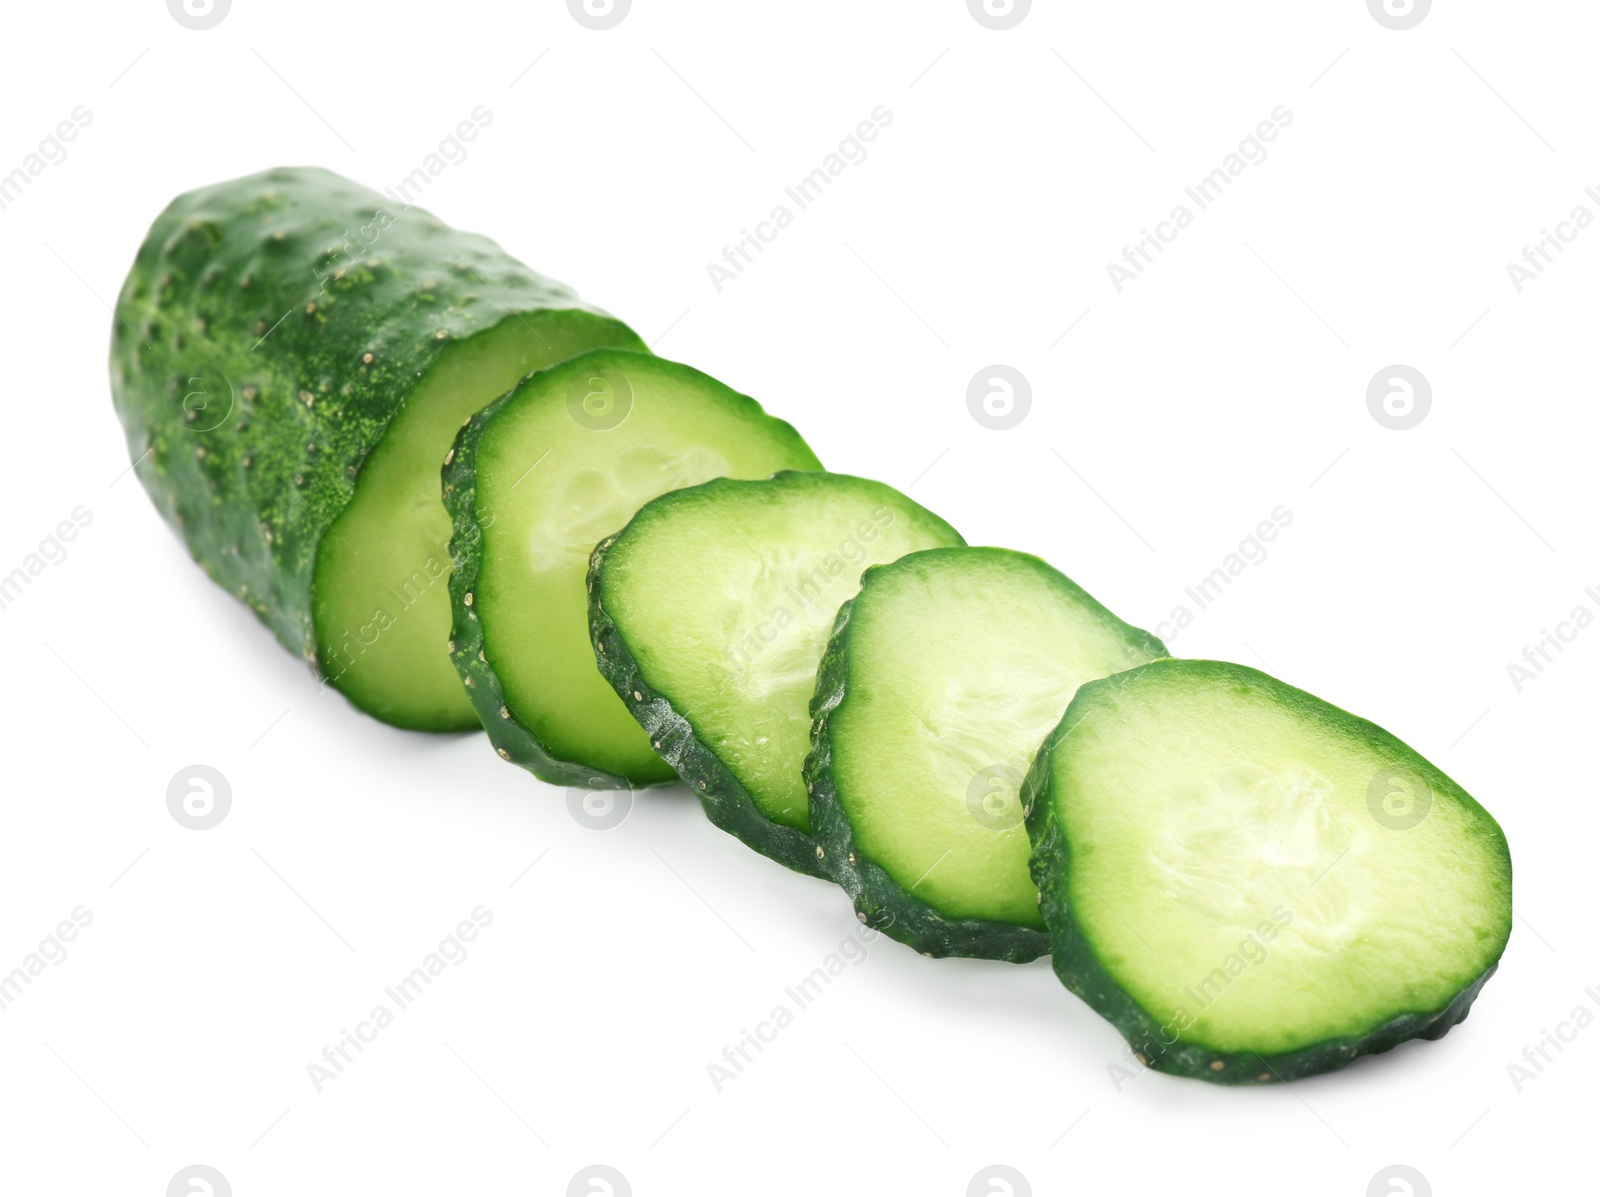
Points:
(1080, 970)
(513, 739)
(879, 900)
(252, 489)
(722, 795)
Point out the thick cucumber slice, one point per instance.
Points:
(720, 673)
(1254, 885)
(534, 482)
(291, 358)
(943, 677)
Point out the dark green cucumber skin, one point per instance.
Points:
(879, 900)
(1080, 970)
(253, 495)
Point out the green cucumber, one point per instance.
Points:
(291, 359)
(1253, 885)
(720, 673)
(943, 677)
(533, 483)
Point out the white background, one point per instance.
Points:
(1229, 379)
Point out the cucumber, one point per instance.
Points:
(291, 358)
(943, 677)
(720, 674)
(534, 482)
(1253, 885)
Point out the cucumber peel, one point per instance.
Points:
(709, 614)
(1253, 885)
(943, 676)
(290, 360)
(534, 481)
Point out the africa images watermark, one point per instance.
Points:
(451, 951)
(1252, 551)
(52, 550)
(199, 797)
(1537, 1056)
(199, 15)
(399, 596)
(999, 1180)
(199, 1180)
(1542, 653)
(1538, 257)
(1252, 151)
(1399, 1180)
(51, 950)
(999, 397)
(999, 15)
(811, 583)
(52, 151)
(851, 151)
(599, 14)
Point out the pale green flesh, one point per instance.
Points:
(961, 662)
(382, 609)
(736, 653)
(1228, 872)
(549, 489)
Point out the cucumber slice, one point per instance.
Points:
(534, 481)
(291, 359)
(720, 674)
(943, 677)
(1254, 885)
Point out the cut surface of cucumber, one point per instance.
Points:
(709, 614)
(291, 357)
(1253, 885)
(383, 607)
(533, 483)
(942, 678)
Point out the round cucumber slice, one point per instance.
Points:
(721, 674)
(1254, 885)
(941, 680)
(534, 481)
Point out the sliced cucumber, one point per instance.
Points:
(382, 608)
(720, 672)
(291, 358)
(534, 481)
(1254, 885)
(943, 677)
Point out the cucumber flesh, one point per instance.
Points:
(1254, 885)
(721, 671)
(383, 608)
(534, 482)
(943, 677)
